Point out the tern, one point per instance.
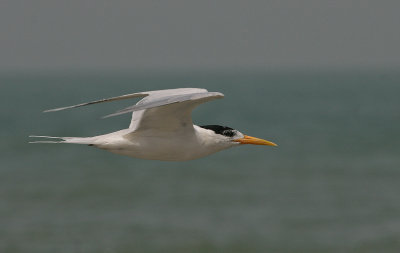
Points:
(162, 129)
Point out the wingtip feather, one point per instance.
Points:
(35, 142)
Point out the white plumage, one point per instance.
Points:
(162, 129)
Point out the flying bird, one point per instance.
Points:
(162, 129)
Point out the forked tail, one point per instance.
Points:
(73, 140)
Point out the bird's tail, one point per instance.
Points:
(73, 140)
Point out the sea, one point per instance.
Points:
(332, 184)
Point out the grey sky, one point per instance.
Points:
(228, 34)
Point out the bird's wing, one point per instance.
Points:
(159, 109)
(133, 95)
(167, 110)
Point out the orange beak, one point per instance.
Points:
(255, 141)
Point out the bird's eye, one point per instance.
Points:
(228, 133)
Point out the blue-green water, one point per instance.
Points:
(332, 185)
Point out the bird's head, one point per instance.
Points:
(230, 136)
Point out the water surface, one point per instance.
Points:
(332, 185)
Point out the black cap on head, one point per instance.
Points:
(222, 130)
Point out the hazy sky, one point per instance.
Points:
(228, 34)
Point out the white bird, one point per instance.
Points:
(161, 128)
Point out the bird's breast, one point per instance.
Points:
(160, 147)
(176, 148)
